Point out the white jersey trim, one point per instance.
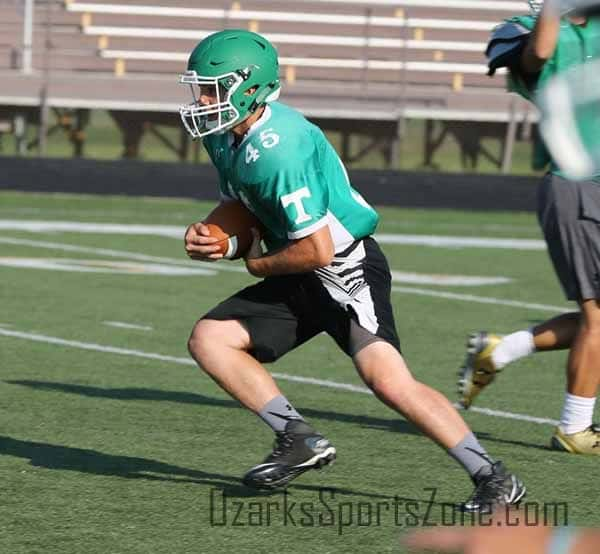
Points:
(346, 283)
(342, 238)
(294, 235)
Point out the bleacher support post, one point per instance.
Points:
(19, 131)
(511, 133)
(184, 144)
(77, 131)
(131, 125)
(44, 108)
(44, 117)
(393, 158)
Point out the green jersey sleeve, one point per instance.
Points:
(292, 184)
(303, 199)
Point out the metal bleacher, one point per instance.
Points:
(377, 61)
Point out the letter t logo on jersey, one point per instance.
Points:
(296, 199)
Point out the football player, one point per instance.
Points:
(535, 48)
(322, 270)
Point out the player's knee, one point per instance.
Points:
(209, 336)
(203, 339)
(591, 316)
(592, 330)
(195, 342)
(388, 383)
(384, 370)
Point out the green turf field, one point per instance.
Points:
(113, 442)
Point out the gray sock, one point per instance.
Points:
(471, 455)
(277, 412)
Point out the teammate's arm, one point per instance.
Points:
(542, 42)
(299, 256)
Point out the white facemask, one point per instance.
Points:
(205, 119)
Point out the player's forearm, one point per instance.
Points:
(542, 43)
(299, 256)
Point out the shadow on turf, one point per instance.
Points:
(397, 425)
(54, 456)
(383, 424)
(84, 460)
(91, 461)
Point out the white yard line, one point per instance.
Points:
(123, 325)
(410, 278)
(35, 337)
(104, 266)
(35, 226)
(211, 269)
(483, 299)
(119, 254)
(461, 242)
(175, 231)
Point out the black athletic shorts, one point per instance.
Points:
(349, 300)
(569, 214)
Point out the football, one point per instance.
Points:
(231, 222)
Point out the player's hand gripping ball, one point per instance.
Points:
(232, 223)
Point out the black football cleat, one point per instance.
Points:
(494, 487)
(297, 449)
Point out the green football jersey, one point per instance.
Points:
(288, 174)
(577, 44)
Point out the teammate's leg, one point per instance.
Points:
(576, 433)
(488, 353)
(583, 367)
(557, 333)
(569, 214)
(572, 252)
